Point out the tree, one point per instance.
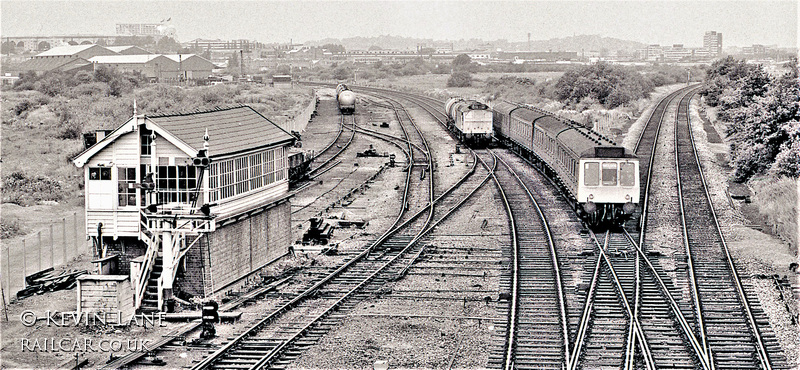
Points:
(460, 79)
(763, 118)
(461, 60)
(168, 44)
(282, 69)
(8, 47)
(334, 48)
(608, 84)
(233, 63)
(342, 73)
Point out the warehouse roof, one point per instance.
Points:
(230, 130)
(49, 64)
(124, 59)
(128, 50)
(194, 58)
(68, 50)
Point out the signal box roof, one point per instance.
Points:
(230, 130)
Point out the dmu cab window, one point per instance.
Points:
(609, 174)
(627, 174)
(591, 174)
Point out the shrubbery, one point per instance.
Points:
(460, 79)
(610, 85)
(73, 84)
(26, 191)
(762, 115)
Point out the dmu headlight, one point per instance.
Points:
(590, 207)
(628, 208)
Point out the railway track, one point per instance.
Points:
(537, 335)
(729, 323)
(637, 314)
(322, 161)
(278, 338)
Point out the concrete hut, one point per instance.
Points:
(187, 204)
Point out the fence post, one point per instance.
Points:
(39, 263)
(52, 247)
(8, 272)
(64, 239)
(24, 259)
(75, 228)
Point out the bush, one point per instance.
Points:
(10, 228)
(762, 115)
(460, 79)
(25, 191)
(610, 85)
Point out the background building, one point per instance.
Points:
(712, 41)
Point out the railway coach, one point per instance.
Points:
(346, 99)
(470, 120)
(600, 178)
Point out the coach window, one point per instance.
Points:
(591, 174)
(609, 174)
(627, 174)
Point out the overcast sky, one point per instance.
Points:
(742, 23)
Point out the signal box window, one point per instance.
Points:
(174, 184)
(125, 192)
(147, 142)
(591, 174)
(627, 174)
(609, 174)
(99, 173)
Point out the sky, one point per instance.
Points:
(742, 23)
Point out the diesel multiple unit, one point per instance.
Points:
(600, 178)
(469, 120)
(346, 99)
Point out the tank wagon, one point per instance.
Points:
(600, 178)
(346, 99)
(470, 121)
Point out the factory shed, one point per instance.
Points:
(200, 198)
(41, 65)
(128, 50)
(191, 66)
(149, 65)
(75, 51)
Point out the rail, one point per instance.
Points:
(685, 242)
(554, 259)
(394, 228)
(508, 361)
(761, 350)
(342, 149)
(635, 324)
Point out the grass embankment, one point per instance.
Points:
(776, 200)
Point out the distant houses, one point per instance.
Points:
(126, 59)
